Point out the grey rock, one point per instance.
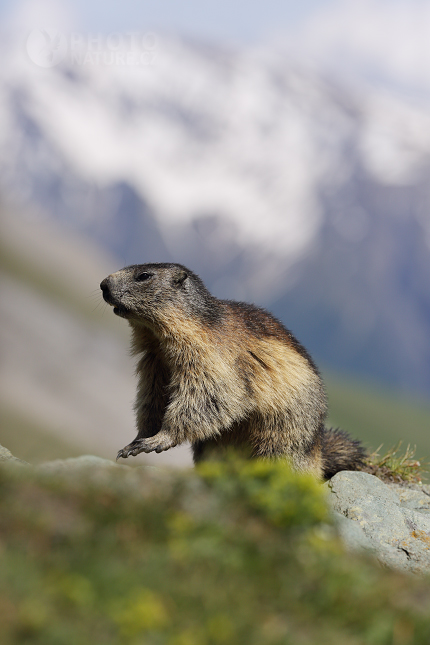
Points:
(352, 534)
(348, 486)
(412, 498)
(416, 521)
(393, 558)
(382, 522)
(394, 520)
(7, 456)
(76, 463)
(417, 544)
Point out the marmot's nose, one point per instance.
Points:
(104, 285)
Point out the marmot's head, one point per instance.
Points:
(148, 293)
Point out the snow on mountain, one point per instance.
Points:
(198, 134)
(268, 179)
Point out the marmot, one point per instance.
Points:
(220, 373)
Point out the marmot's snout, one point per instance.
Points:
(104, 286)
(111, 296)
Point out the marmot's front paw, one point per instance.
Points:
(157, 443)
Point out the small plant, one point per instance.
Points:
(396, 466)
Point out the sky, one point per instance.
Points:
(382, 41)
(237, 21)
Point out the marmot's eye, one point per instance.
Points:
(143, 276)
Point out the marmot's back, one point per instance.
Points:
(221, 373)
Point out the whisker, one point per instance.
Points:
(94, 293)
(97, 306)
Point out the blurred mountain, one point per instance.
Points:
(275, 183)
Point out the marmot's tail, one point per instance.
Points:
(340, 452)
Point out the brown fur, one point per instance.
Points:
(221, 374)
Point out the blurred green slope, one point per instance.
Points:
(378, 416)
(31, 441)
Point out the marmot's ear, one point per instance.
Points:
(180, 278)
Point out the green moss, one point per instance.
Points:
(283, 497)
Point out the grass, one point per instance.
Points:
(231, 554)
(396, 466)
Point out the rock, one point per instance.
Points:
(414, 498)
(390, 556)
(352, 534)
(76, 463)
(7, 456)
(393, 520)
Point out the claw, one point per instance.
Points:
(144, 445)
